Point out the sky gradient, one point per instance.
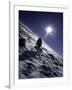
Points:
(38, 21)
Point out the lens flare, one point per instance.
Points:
(49, 30)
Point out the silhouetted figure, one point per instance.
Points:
(39, 43)
(22, 42)
(38, 46)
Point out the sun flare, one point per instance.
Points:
(49, 30)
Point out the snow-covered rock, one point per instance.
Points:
(34, 64)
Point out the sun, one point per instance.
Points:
(49, 30)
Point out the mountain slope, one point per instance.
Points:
(33, 64)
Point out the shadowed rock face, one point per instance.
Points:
(33, 64)
(22, 42)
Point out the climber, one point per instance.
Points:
(39, 43)
(38, 46)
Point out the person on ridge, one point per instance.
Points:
(39, 43)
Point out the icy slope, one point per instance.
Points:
(33, 64)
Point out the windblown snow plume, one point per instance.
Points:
(33, 64)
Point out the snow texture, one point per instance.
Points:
(33, 63)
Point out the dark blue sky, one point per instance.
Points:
(38, 21)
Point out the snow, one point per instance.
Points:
(33, 64)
